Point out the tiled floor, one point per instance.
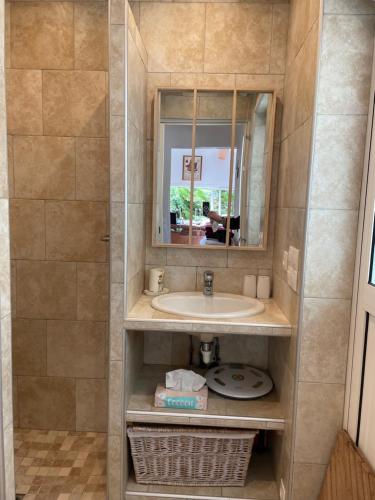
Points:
(60, 465)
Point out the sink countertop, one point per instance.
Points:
(271, 322)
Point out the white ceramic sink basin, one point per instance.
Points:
(218, 305)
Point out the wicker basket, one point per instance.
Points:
(189, 456)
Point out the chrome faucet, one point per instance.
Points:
(208, 278)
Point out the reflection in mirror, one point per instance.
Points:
(173, 161)
(251, 168)
(228, 182)
(213, 157)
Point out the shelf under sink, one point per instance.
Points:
(260, 485)
(262, 413)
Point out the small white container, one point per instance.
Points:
(156, 280)
(250, 286)
(264, 287)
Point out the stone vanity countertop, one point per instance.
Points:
(271, 322)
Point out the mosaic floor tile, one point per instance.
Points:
(60, 465)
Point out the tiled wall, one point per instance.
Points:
(127, 78)
(250, 55)
(174, 349)
(59, 173)
(299, 95)
(7, 490)
(334, 195)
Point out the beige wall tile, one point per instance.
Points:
(117, 69)
(158, 348)
(24, 101)
(116, 322)
(229, 280)
(338, 161)
(92, 291)
(28, 237)
(117, 12)
(280, 18)
(218, 80)
(44, 167)
(5, 293)
(303, 14)
(179, 279)
(325, 338)
(91, 35)
(136, 100)
(91, 404)
(76, 349)
(117, 152)
(331, 241)
(192, 258)
(290, 225)
(300, 85)
(256, 82)
(154, 256)
(47, 403)
(347, 46)
(136, 165)
(318, 419)
(135, 289)
(46, 290)
(13, 280)
(29, 347)
(285, 298)
(115, 414)
(15, 403)
(42, 35)
(117, 242)
(349, 7)
(169, 47)
(180, 349)
(9, 462)
(6, 371)
(294, 167)
(136, 239)
(245, 49)
(243, 349)
(115, 445)
(74, 231)
(5, 143)
(154, 80)
(10, 171)
(7, 64)
(135, 8)
(307, 481)
(250, 260)
(92, 169)
(74, 103)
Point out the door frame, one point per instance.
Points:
(357, 337)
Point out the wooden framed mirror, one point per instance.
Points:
(212, 168)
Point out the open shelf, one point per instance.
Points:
(260, 485)
(263, 413)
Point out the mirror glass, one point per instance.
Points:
(213, 141)
(250, 173)
(173, 158)
(212, 168)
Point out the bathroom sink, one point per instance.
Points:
(197, 305)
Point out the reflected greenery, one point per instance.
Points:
(180, 202)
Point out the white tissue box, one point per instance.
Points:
(182, 400)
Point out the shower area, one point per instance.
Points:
(56, 58)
